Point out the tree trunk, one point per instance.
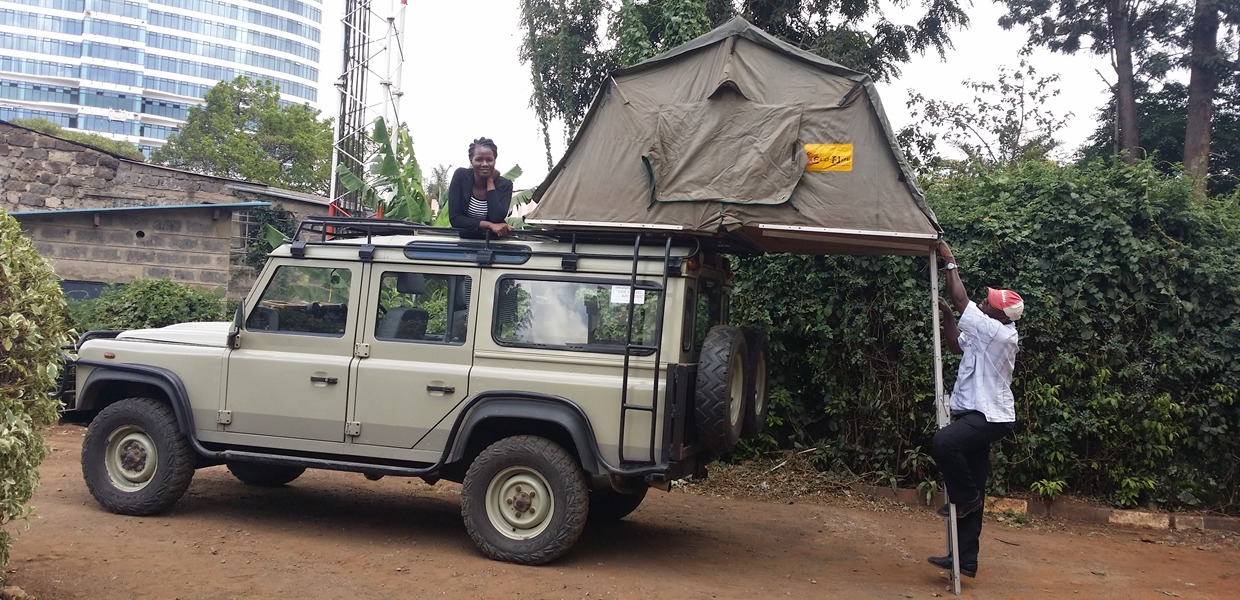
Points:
(1203, 80)
(1125, 86)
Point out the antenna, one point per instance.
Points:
(374, 33)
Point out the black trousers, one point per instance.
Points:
(962, 451)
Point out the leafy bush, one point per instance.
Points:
(850, 347)
(1131, 356)
(1130, 348)
(147, 303)
(32, 328)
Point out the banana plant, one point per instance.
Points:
(394, 190)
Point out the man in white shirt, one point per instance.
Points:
(983, 410)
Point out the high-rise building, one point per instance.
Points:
(130, 69)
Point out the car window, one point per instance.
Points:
(304, 299)
(574, 315)
(422, 307)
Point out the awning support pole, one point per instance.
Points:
(942, 413)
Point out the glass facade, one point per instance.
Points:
(70, 5)
(42, 68)
(113, 29)
(34, 92)
(38, 45)
(232, 53)
(9, 113)
(105, 51)
(120, 8)
(35, 22)
(114, 100)
(233, 34)
(234, 11)
(165, 108)
(133, 68)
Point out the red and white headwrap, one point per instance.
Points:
(1007, 301)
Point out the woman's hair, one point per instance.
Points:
(483, 142)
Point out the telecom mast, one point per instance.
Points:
(369, 85)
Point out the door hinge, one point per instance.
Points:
(352, 428)
(223, 417)
(361, 350)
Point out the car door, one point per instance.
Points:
(290, 376)
(420, 353)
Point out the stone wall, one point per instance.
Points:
(187, 245)
(41, 172)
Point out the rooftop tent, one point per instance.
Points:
(740, 135)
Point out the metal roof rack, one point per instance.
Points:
(321, 230)
(326, 228)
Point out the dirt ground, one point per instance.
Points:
(337, 535)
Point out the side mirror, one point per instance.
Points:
(234, 334)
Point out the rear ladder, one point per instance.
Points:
(631, 349)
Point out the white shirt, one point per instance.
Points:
(984, 382)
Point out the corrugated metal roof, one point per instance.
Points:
(70, 211)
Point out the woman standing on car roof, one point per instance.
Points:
(478, 197)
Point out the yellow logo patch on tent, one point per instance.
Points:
(829, 157)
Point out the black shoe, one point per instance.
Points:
(945, 562)
(961, 509)
(967, 508)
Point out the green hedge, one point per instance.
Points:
(146, 303)
(1130, 348)
(32, 328)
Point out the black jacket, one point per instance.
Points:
(498, 200)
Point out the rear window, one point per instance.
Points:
(590, 316)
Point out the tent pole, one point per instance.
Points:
(941, 411)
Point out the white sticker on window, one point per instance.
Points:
(620, 295)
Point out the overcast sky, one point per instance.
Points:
(462, 79)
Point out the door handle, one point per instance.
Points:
(327, 380)
(447, 389)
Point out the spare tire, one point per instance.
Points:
(719, 401)
(757, 386)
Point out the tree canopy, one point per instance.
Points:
(561, 46)
(1209, 66)
(860, 34)
(243, 131)
(1163, 115)
(1005, 122)
(1146, 39)
(1126, 30)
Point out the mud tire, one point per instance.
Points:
(135, 459)
(537, 477)
(719, 402)
(757, 382)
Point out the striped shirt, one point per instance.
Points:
(477, 208)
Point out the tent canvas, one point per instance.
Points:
(739, 135)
